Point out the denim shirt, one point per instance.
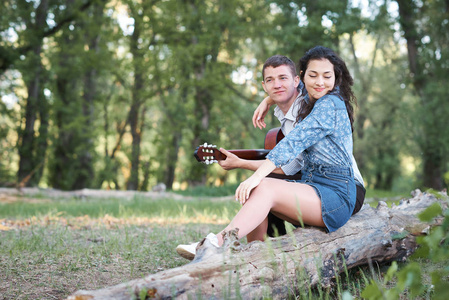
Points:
(324, 136)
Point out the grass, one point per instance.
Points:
(136, 207)
(57, 246)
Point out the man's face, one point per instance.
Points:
(280, 84)
(319, 78)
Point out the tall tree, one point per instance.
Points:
(33, 21)
(425, 28)
(75, 64)
(32, 146)
(377, 137)
(205, 36)
(136, 117)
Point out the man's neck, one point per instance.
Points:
(285, 106)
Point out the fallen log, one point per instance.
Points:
(279, 267)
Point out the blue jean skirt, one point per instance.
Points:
(336, 188)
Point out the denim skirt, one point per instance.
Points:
(336, 188)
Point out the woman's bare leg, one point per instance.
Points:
(258, 234)
(291, 200)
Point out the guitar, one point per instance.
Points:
(210, 154)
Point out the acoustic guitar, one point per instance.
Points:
(210, 154)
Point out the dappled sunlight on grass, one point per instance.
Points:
(108, 221)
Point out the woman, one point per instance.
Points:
(326, 194)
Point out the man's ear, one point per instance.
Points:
(264, 88)
(297, 79)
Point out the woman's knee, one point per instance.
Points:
(266, 187)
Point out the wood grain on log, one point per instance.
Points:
(279, 267)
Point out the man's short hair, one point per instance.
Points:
(279, 60)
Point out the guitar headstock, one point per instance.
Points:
(208, 154)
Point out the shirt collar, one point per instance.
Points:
(292, 112)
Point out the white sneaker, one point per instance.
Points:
(189, 251)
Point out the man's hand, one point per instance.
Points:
(232, 161)
(261, 111)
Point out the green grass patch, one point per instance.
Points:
(199, 191)
(136, 207)
(381, 194)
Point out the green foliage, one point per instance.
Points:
(409, 279)
(127, 91)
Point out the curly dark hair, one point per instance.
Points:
(343, 80)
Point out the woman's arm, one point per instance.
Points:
(318, 124)
(232, 161)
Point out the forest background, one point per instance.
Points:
(117, 94)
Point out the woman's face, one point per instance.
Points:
(319, 78)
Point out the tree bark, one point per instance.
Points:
(280, 267)
(137, 100)
(30, 147)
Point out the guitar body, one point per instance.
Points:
(273, 137)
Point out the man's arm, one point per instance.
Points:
(261, 111)
(232, 161)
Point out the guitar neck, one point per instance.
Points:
(253, 154)
(210, 153)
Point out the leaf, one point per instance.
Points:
(372, 291)
(410, 277)
(430, 212)
(391, 272)
(441, 291)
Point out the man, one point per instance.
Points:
(284, 88)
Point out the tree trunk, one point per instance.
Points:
(86, 156)
(280, 267)
(32, 149)
(137, 102)
(432, 159)
(172, 159)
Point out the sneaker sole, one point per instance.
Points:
(184, 253)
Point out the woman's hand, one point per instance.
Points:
(231, 161)
(244, 190)
(261, 111)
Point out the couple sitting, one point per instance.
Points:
(318, 142)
